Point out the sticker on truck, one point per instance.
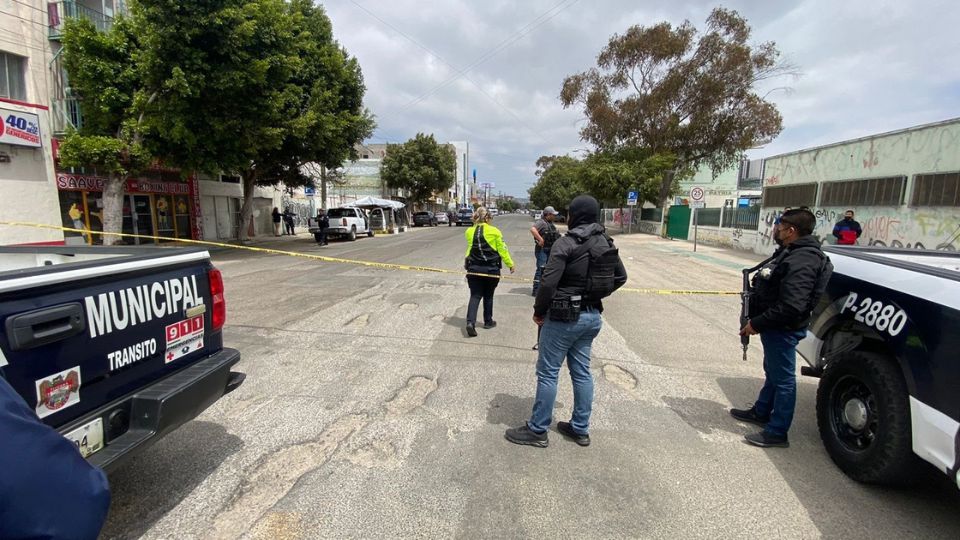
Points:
(184, 337)
(58, 391)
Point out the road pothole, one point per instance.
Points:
(277, 473)
(412, 395)
(619, 376)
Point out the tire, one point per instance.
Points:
(353, 234)
(863, 414)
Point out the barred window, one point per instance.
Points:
(942, 189)
(867, 192)
(793, 196)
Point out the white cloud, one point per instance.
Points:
(868, 67)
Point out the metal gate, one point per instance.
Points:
(678, 222)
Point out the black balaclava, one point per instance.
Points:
(583, 211)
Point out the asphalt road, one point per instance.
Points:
(367, 412)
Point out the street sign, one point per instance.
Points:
(309, 191)
(698, 204)
(632, 197)
(697, 193)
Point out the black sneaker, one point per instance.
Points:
(748, 415)
(491, 324)
(471, 330)
(767, 440)
(523, 435)
(566, 430)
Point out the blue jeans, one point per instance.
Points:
(542, 256)
(778, 397)
(570, 340)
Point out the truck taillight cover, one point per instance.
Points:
(219, 314)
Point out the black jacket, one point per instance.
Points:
(565, 274)
(783, 289)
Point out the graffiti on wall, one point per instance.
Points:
(931, 149)
(933, 228)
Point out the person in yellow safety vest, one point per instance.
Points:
(486, 254)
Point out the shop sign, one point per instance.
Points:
(19, 128)
(79, 182)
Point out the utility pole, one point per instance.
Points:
(323, 187)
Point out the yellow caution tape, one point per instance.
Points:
(370, 264)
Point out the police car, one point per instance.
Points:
(114, 347)
(884, 341)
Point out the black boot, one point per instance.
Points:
(748, 415)
(471, 330)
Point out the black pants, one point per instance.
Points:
(321, 237)
(289, 225)
(481, 288)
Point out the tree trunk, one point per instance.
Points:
(246, 211)
(323, 187)
(112, 208)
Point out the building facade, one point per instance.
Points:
(28, 190)
(904, 187)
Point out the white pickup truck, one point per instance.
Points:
(884, 341)
(348, 222)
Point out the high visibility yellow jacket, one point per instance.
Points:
(485, 246)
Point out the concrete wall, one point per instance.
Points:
(742, 239)
(932, 148)
(27, 183)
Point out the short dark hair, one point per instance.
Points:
(803, 220)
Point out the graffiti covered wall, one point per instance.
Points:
(933, 148)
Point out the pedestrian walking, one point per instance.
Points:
(544, 234)
(785, 291)
(288, 216)
(323, 222)
(584, 267)
(847, 230)
(486, 254)
(277, 218)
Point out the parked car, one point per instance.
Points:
(465, 217)
(883, 343)
(114, 347)
(443, 218)
(424, 219)
(348, 222)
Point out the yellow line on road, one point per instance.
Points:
(370, 264)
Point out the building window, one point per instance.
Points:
(13, 84)
(229, 179)
(793, 196)
(867, 192)
(942, 189)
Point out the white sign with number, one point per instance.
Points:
(19, 128)
(697, 193)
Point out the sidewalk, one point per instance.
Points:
(728, 258)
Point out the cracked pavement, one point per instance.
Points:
(367, 412)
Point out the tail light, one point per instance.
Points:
(344, 222)
(219, 314)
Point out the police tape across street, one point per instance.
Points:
(370, 264)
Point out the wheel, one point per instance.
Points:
(353, 233)
(863, 414)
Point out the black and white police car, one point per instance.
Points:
(885, 342)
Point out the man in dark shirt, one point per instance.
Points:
(785, 291)
(544, 234)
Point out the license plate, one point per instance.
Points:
(88, 438)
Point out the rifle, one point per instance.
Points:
(539, 328)
(745, 301)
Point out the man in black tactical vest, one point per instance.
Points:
(544, 234)
(584, 268)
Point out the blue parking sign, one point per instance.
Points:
(632, 197)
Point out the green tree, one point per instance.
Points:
(509, 205)
(100, 70)
(669, 90)
(560, 179)
(421, 166)
(609, 175)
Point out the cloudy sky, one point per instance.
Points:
(490, 71)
